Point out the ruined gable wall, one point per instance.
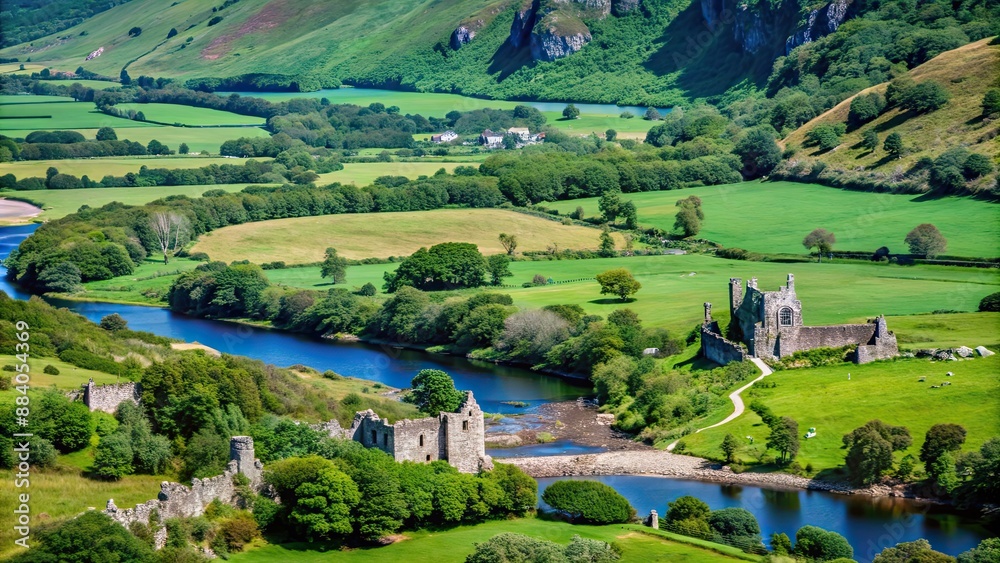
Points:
(407, 443)
(794, 339)
(106, 398)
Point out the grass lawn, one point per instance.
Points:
(364, 173)
(366, 236)
(147, 285)
(70, 377)
(97, 168)
(674, 287)
(634, 128)
(43, 113)
(947, 330)
(454, 544)
(59, 203)
(776, 216)
(188, 115)
(824, 398)
(200, 139)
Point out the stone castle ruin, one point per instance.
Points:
(106, 398)
(456, 437)
(179, 501)
(768, 325)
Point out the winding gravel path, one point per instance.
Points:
(736, 399)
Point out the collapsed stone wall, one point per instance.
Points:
(106, 398)
(716, 348)
(180, 501)
(794, 339)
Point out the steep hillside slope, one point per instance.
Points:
(966, 73)
(636, 52)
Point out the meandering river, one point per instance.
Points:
(868, 523)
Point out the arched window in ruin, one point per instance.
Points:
(785, 316)
(421, 440)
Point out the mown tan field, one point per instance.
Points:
(304, 239)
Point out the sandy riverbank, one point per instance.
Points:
(13, 211)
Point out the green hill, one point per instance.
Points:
(643, 52)
(966, 74)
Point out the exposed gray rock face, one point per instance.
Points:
(548, 45)
(820, 22)
(622, 7)
(752, 27)
(983, 351)
(711, 12)
(524, 20)
(462, 35)
(601, 6)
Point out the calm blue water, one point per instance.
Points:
(552, 448)
(365, 96)
(869, 524)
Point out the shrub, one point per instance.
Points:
(989, 303)
(926, 96)
(588, 502)
(239, 531)
(51, 370)
(817, 543)
(734, 522)
(214, 20)
(865, 108)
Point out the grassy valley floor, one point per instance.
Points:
(639, 545)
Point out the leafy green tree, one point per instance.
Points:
(977, 165)
(66, 424)
(334, 266)
(607, 244)
(781, 544)
(520, 491)
(820, 239)
(482, 326)
(943, 472)
(588, 502)
(988, 551)
(687, 222)
(864, 108)
(434, 392)
(990, 303)
(982, 467)
(869, 140)
(317, 496)
(509, 243)
(610, 205)
(821, 545)
(759, 152)
(826, 136)
(991, 101)
(893, 145)
(941, 439)
(124, 78)
(610, 135)
(113, 458)
(113, 322)
(784, 438)
(499, 268)
(870, 448)
(687, 508)
(629, 214)
(926, 240)
(925, 97)
(651, 115)
(183, 149)
(618, 282)
(443, 266)
(730, 445)
(570, 112)
(732, 523)
(368, 290)
(90, 537)
(106, 134)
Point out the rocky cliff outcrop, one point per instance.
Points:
(551, 41)
(554, 28)
(758, 25)
(467, 29)
(821, 22)
(462, 35)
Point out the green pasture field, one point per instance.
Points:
(359, 236)
(634, 128)
(364, 173)
(97, 168)
(208, 139)
(188, 115)
(147, 285)
(59, 203)
(776, 216)
(826, 399)
(639, 544)
(44, 113)
(946, 330)
(674, 288)
(15, 68)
